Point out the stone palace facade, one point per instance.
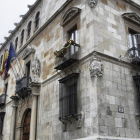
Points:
(85, 89)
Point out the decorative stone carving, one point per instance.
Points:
(70, 14)
(16, 24)
(92, 3)
(27, 52)
(36, 70)
(96, 67)
(133, 17)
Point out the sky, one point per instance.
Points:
(10, 10)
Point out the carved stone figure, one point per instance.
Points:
(92, 3)
(96, 67)
(36, 69)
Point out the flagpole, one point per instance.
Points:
(20, 65)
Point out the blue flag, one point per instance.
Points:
(11, 55)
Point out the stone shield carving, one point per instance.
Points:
(92, 3)
(96, 67)
(36, 70)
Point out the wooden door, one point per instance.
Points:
(26, 126)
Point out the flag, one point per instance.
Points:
(4, 62)
(11, 55)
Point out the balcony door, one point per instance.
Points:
(26, 126)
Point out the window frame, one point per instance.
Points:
(16, 43)
(68, 101)
(29, 27)
(37, 19)
(22, 36)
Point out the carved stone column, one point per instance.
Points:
(35, 93)
(13, 122)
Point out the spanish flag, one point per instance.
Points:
(4, 62)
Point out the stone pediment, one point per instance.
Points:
(69, 15)
(133, 17)
(27, 52)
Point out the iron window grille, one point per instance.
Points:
(68, 96)
(137, 83)
(134, 51)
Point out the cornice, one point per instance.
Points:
(132, 17)
(45, 25)
(132, 3)
(18, 25)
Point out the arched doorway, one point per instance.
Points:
(26, 126)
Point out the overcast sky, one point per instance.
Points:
(10, 10)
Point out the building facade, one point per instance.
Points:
(76, 74)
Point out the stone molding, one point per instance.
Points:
(92, 3)
(69, 15)
(132, 3)
(27, 52)
(96, 66)
(132, 17)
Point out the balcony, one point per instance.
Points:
(2, 100)
(22, 86)
(66, 56)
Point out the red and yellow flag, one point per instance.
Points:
(4, 62)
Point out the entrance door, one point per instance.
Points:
(26, 126)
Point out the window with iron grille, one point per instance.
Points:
(68, 96)
(22, 36)
(137, 83)
(16, 43)
(37, 17)
(29, 29)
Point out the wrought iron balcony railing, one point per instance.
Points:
(67, 56)
(134, 51)
(2, 100)
(22, 86)
(134, 54)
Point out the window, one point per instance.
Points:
(73, 36)
(28, 72)
(134, 39)
(68, 96)
(37, 17)
(29, 29)
(16, 43)
(2, 114)
(22, 36)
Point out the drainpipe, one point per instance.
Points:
(14, 117)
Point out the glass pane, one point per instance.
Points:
(72, 49)
(131, 43)
(76, 41)
(135, 45)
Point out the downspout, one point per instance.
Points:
(36, 117)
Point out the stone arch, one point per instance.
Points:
(19, 127)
